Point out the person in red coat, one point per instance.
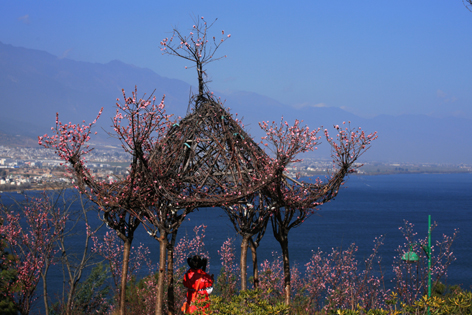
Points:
(198, 283)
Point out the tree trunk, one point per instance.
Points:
(284, 245)
(170, 282)
(201, 83)
(70, 296)
(255, 270)
(161, 275)
(124, 276)
(170, 276)
(243, 262)
(45, 289)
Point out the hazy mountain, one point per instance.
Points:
(34, 85)
(405, 138)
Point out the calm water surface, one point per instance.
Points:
(368, 207)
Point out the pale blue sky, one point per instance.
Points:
(368, 57)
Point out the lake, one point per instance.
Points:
(368, 207)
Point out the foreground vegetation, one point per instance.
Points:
(330, 283)
(456, 301)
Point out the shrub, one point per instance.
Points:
(247, 302)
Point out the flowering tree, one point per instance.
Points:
(109, 247)
(226, 284)
(205, 159)
(119, 200)
(31, 233)
(73, 263)
(251, 215)
(337, 279)
(331, 281)
(8, 275)
(411, 280)
(296, 200)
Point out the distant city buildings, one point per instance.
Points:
(40, 168)
(37, 168)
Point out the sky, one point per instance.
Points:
(367, 57)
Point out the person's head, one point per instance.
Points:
(197, 262)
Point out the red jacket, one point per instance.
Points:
(196, 281)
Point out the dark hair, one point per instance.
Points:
(197, 262)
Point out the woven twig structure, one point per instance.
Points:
(209, 158)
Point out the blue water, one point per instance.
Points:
(367, 207)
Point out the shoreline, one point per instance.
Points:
(63, 187)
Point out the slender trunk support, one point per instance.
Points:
(161, 274)
(45, 289)
(255, 272)
(201, 83)
(124, 276)
(170, 276)
(287, 288)
(243, 262)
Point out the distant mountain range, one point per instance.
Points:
(34, 85)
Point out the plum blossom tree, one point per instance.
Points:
(7, 277)
(251, 215)
(73, 262)
(411, 280)
(110, 246)
(119, 200)
(226, 284)
(336, 279)
(31, 233)
(296, 200)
